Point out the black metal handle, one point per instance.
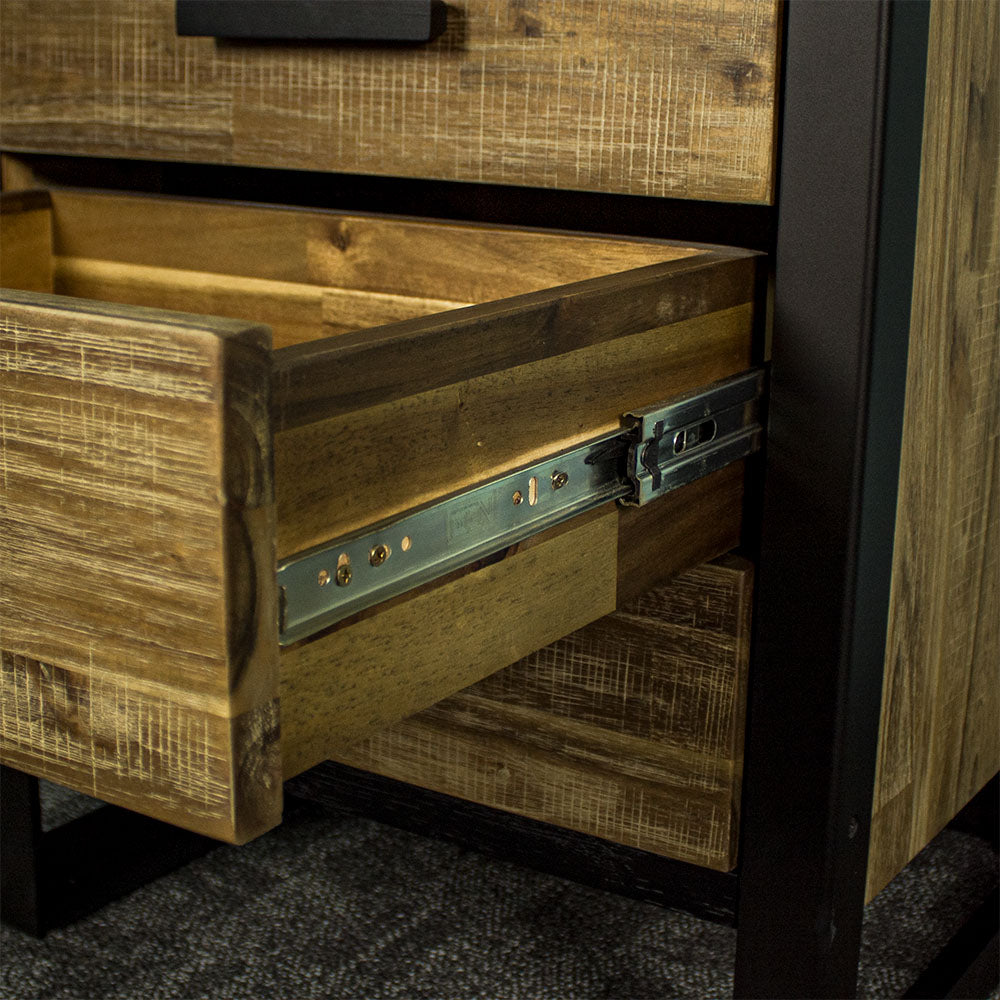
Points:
(314, 20)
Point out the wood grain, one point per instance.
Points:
(311, 275)
(336, 475)
(630, 729)
(681, 529)
(609, 95)
(136, 552)
(320, 380)
(360, 677)
(451, 632)
(26, 241)
(940, 727)
(414, 257)
(296, 312)
(170, 430)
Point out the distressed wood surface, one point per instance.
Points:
(323, 379)
(630, 729)
(136, 552)
(26, 241)
(609, 95)
(940, 728)
(451, 400)
(364, 675)
(311, 275)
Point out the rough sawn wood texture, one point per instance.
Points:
(940, 729)
(635, 96)
(630, 729)
(137, 607)
(123, 428)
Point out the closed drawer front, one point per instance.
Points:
(328, 373)
(635, 96)
(629, 729)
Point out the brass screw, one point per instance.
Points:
(378, 555)
(559, 480)
(518, 497)
(344, 574)
(324, 577)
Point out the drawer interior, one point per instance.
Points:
(310, 275)
(402, 360)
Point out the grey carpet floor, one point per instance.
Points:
(331, 905)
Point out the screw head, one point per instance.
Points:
(344, 574)
(559, 480)
(323, 578)
(378, 555)
(517, 498)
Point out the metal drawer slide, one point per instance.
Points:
(655, 451)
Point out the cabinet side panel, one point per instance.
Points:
(940, 727)
(136, 557)
(629, 96)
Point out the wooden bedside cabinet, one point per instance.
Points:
(331, 358)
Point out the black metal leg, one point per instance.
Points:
(20, 851)
(52, 878)
(851, 143)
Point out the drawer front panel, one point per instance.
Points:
(138, 597)
(632, 96)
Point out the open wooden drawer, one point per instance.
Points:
(159, 467)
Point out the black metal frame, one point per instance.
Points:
(531, 843)
(845, 228)
(847, 206)
(51, 878)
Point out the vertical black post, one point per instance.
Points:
(849, 175)
(20, 851)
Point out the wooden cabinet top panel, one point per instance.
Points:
(670, 99)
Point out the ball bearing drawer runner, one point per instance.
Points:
(325, 375)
